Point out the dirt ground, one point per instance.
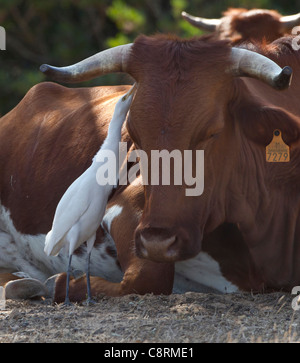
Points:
(186, 318)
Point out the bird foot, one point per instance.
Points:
(89, 302)
(67, 302)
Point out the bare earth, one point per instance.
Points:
(186, 318)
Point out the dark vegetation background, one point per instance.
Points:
(62, 32)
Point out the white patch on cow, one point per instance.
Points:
(8, 251)
(102, 264)
(25, 253)
(28, 256)
(201, 270)
(110, 215)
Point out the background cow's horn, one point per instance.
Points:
(246, 63)
(288, 22)
(202, 23)
(108, 61)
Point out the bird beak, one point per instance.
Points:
(130, 92)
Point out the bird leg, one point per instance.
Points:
(88, 282)
(89, 244)
(67, 300)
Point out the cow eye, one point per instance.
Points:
(215, 133)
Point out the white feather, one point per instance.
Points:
(81, 209)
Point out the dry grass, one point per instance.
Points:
(187, 318)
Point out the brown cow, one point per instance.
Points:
(192, 94)
(240, 25)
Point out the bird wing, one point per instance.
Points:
(81, 194)
(74, 203)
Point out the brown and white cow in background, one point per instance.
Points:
(192, 94)
(241, 25)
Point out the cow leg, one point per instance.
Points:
(141, 277)
(26, 288)
(18, 287)
(6, 277)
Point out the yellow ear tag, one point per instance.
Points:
(277, 151)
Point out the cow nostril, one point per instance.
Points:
(166, 241)
(171, 251)
(142, 249)
(157, 247)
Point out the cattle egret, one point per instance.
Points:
(82, 207)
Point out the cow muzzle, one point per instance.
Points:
(162, 245)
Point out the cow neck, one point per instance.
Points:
(259, 198)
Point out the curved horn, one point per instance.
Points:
(107, 61)
(201, 23)
(246, 63)
(288, 22)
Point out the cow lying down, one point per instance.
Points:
(241, 233)
(242, 25)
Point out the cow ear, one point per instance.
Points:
(258, 123)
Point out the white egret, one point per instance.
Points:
(81, 209)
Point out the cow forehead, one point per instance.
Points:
(182, 110)
(180, 82)
(245, 13)
(255, 12)
(164, 57)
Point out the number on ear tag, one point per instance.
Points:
(277, 151)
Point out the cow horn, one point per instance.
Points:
(246, 63)
(288, 22)
(201, 23)
(108, 61)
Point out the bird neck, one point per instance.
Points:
(114, 130)
(112, 139)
